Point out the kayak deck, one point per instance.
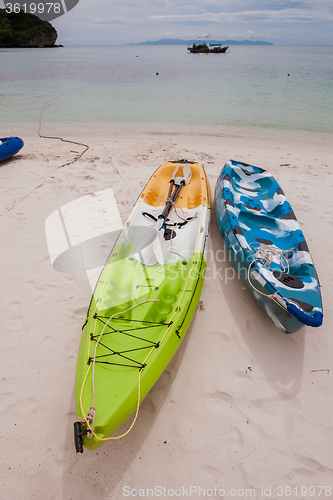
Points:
(268, 246)
(139, 313)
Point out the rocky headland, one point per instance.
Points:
(25, 30)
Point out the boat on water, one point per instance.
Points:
(205, 48)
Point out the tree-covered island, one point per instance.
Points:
(25, 30)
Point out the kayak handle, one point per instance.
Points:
(315, 320)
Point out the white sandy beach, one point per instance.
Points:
(241, 407)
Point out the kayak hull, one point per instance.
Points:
(140, 312)
(267, 246)
(10, 146)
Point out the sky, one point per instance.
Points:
(282, 22)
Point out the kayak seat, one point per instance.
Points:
(191, 195)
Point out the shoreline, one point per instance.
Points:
(293, 138)
(241, 405)
(309, 141)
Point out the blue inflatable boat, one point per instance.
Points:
(9, 146)
(267, 246)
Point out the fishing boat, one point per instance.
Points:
(267, 246)
(144, 301)
(205, 48)
(217, 48)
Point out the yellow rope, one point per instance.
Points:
(144, 362)
(89, 427)
(95, 324)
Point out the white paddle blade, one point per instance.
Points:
(187, 172)
(146, 255)
(174, 172)
(186, 177)
(160, 248)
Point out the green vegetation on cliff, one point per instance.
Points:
(25, 30)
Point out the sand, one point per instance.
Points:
(242, 411)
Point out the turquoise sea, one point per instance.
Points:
(165, 89)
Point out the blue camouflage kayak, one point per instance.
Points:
(267, 246)
(9, 146)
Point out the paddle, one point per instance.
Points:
(155, 249)
(169, 200)
(159, 245)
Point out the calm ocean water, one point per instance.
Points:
(103, 89)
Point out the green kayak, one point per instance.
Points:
(143, 302)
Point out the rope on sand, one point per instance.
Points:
(60, 166)
(61, 138)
